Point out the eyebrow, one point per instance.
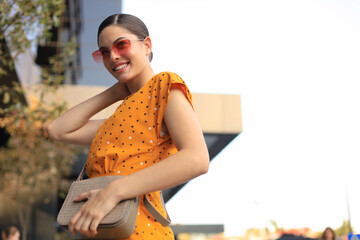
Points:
(114, 41)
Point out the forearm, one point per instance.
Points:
(172, 171)
(79, 115)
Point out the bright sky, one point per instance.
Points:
(296, 66)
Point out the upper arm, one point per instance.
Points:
(182, 124)
(81, 136)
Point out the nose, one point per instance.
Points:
(114, 55)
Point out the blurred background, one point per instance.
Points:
(284, 163)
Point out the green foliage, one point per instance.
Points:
(32, 166)
(275, 225)
(344, 229)
(22, 22)
(53, 76)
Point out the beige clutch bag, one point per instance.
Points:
(119, 223)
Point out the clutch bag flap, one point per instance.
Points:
(117, 217)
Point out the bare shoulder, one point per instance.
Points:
(181, 120)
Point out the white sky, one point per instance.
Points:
(296, 65)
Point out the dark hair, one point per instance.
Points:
(332, 232)
(130, 23)
(8, 232)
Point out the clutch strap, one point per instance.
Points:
(155, 213)
(81, 174)
(148, 205)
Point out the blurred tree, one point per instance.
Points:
(344, 229)
(274, 224)
(24, 22)
(32, 167)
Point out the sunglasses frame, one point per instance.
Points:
(98, 55)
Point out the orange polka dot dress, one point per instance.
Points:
(131, 140)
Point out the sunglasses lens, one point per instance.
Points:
(122, 47)
(97, 56)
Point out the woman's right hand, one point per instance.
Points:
(99, 203)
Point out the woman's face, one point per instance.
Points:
(124, 65)
(328, 234)
(15, 236)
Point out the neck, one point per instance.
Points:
(140, 80)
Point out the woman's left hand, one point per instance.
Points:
(99, 204)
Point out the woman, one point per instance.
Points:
(328, 234)
(153, 137)
(10, 233)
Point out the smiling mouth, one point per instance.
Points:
(120, 67)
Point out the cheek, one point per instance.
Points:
(107, 66)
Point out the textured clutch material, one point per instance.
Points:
(119, 223)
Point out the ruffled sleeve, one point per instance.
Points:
(165, 82)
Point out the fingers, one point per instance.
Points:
(87, 219)
(73, 221)
(81, 223)
(87, 225)
(82, 197)
(77, 222)
(83, 226)
(94, 225)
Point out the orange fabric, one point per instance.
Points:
(130, 140)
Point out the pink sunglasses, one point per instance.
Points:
(120, 47)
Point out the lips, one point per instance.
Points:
(120, 66)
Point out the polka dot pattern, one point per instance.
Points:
(130, 140)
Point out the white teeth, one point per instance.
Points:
(120, 67)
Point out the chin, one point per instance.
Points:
(122, 78)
